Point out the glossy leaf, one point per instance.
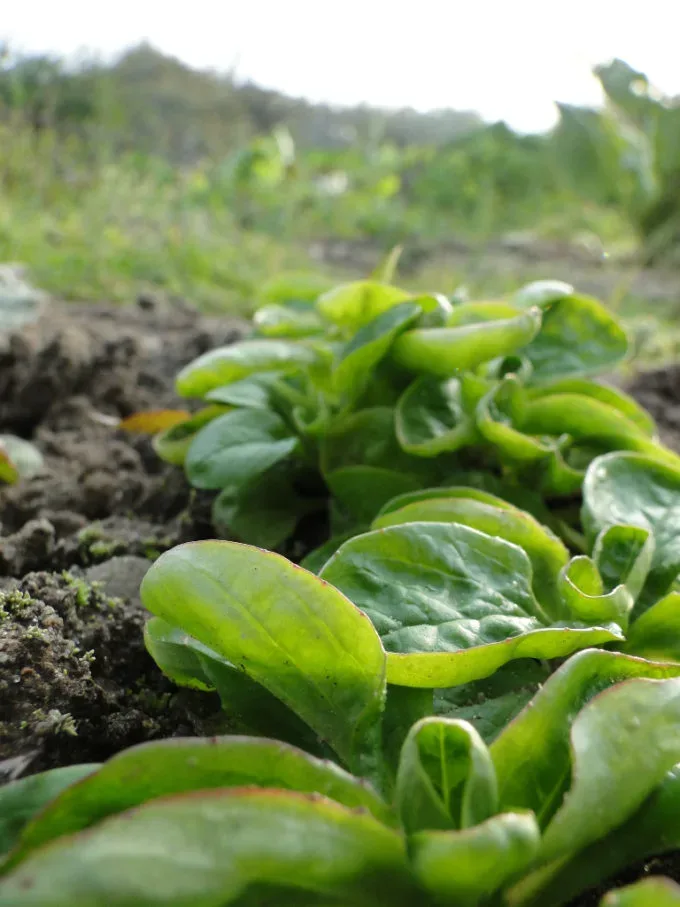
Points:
(585, 597)
(157, 769)
(467, 867)
(21, 800)
(612, 396)
(297, 636)
(353, 305)
(184, 850)
(434, 417)
(444, 351)
(238, 360)
(538, 783)
(624, 554)
(634, 489)
(476, 312)
(150, 422)
(546, 552)
(451, 604)
(368, 346)
(446, 778)
(578, 336)
(236, 447)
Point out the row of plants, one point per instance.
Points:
(467, 694)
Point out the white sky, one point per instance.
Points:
(507, 59)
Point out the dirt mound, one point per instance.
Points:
(75, 681)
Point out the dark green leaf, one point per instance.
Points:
(254, 391)
(451, 604)
(236, 447)
(434, 416)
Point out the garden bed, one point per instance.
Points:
(75, 680)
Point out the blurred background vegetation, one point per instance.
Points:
(145, 174)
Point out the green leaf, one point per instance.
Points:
(434, 416)
(490, 704)
(289, 631)
(236, 447)
(612, 396)
(173, 444)
(494, 517)
(656, 633)
(368, 346)
(477, 312)
(214, 848)
(277, 320)
(446, 779)
(444, 351)
(21, 800)
(436, 308)
(532, 755)
(541, 292)
(232, 363)
(637, 490)
(451, 604)
(652, 830)
(585, 598)
(266, 510)
(160, 768)
(578, 336)
(353, 305)
(254, 391)
(497, 414)
(585, 418)
(468, 492)
(316, 559)
(654, 892)
(623, 743)
(250, 707)
(624, 554)
(466, 867)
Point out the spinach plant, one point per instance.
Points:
(368, 392)
(579, 785)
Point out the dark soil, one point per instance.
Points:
(76, 684)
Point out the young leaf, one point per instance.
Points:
(21, 800)
(236, 447)
(578, 337)
(287, 321)
(623, 554)
(434, 417)
(467, 867)
(254, 391)
(538, 782)
(546, 552)
(217, 847)
(291, 632)
(172, 444)
(444, 351)
(352, 305)
(450, 603)
(541, 292)
(446, 779)
(478, 312)
(160, 768)
(637, 490)
(232, 363)
(368, 346)
(585, 597)
(497, 414)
